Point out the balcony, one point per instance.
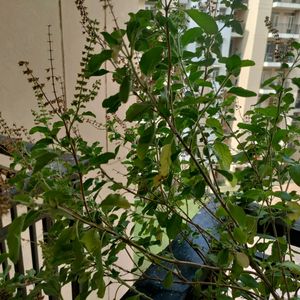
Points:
(237, 35)
(288, 31)
(287, 4)
(267, 89)
(271, 58)
(271, 61)
(297, 102)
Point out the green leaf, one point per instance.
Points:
(295, 173)
(168, 281)
(114, 200)
(3, 257)
(294, 211)
(238, 213)
(99, 72)
(191, 35)
(112, 103)
(294, 268)
(165, 160)
(199, 189)
(241, 92)
(141, 151)
(254, 194)
(137, 110)
(239, 235)
(269, 81)
(202, 82)
(145, 141)
(125, 88)
(43, 143)
(237, 27)
(296, 81)
(135, 297)
(248, 281)
(32, 217)
(242, 259)
(247, 63)
(23, 198)
(14, 237)
(205, 21)
(151, 59)
(214, 124)
(280, 135)
(96, 61)
(270, 111)
(91, 240)
(263, 98)
(111, 41)
(174, 226)
(251, 226)
(103, 158)
(43, 159)
(40, 129)
(223, 154)
(224, 258)
(51, 287)
(147, 135)
(226, 174)
(233, 64)
(100, 284)
(282, 195)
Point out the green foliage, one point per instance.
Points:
(182, 140)
(14, 238)
(203, 20)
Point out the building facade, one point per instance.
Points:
(259, 45)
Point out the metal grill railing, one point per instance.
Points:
(43, 224)
(287, 1)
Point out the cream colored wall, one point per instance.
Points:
(23, 33)
(254, 47)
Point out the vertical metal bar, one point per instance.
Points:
(47, 223)
(75, 289)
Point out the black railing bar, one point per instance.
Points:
(34, 247)
(75, 289)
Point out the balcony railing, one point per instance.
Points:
(287, 1)
(276, 82)
(287, 28)
(43, 223)
(271, 57)
(297, 102)
(272, 53)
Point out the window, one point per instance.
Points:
(290, 22)
(275, 19)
